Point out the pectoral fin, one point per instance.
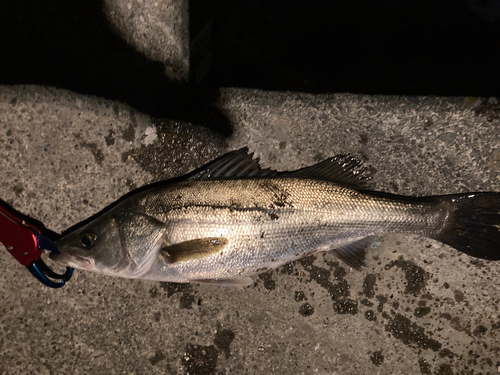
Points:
(194, 249)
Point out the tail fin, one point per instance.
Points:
(473, 225)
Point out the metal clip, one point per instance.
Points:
(23, 239)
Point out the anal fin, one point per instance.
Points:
(354, 253)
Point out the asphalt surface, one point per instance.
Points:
(418, 307)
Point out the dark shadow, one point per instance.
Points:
(421, 47)
(70, 44)
(425, 47)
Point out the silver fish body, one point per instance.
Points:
(225, 230)
(270, 222)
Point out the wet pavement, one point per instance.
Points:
(418, 307)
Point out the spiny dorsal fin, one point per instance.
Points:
(343, 169)
(194, 249)
(354, 253)
(235, 164)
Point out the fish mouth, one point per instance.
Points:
(74, 261)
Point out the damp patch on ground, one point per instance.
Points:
(198, 359)
(416, 276)
(410, 333)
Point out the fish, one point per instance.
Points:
(230, 220)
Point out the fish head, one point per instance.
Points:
(94, 247)
(122, 242)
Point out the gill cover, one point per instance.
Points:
(121, 242)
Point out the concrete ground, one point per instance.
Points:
(418, 307)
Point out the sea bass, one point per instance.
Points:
(230, 219)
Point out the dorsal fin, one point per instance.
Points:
(235, 164)
(343, 169)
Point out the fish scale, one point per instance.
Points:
(318, 215)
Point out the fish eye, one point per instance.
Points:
(88, 240)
